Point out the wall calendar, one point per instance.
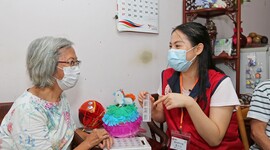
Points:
(137, 15)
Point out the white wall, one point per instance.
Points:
(255, 18)
(110, 59)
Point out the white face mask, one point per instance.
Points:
(71, 76)
(177, 59)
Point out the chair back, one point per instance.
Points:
(243, 121)
(4, 108)
(157, 130)
(241, 125)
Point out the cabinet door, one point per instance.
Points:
(249, 69)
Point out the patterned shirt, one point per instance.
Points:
(36, 124)
(260, 107)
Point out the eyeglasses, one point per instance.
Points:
(71, 62)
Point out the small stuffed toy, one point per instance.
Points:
(219, 4)
(204, 3)
(123, 99)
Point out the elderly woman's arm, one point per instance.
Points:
(98, 137)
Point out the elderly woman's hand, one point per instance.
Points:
(108, 142)
(97, 136)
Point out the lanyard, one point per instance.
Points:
(182, 110)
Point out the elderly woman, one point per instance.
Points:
(40, 117)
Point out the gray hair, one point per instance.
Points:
(42, 59)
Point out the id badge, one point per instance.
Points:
(180, 141)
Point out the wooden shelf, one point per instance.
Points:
(210, 12)
(224, 57)
(191, 11)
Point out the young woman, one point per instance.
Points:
(197, 100)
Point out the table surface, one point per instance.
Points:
(153, 143)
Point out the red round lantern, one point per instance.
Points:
(91, 113)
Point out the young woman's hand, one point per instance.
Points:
(142, 96)
(175, 100)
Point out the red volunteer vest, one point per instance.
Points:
(231, 139)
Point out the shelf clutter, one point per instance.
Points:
(207, 9)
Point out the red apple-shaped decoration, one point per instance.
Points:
(249, 40)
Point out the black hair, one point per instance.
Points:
(197, 33)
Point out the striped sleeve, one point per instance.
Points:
(260, 103)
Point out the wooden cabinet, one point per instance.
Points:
(233, 11)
